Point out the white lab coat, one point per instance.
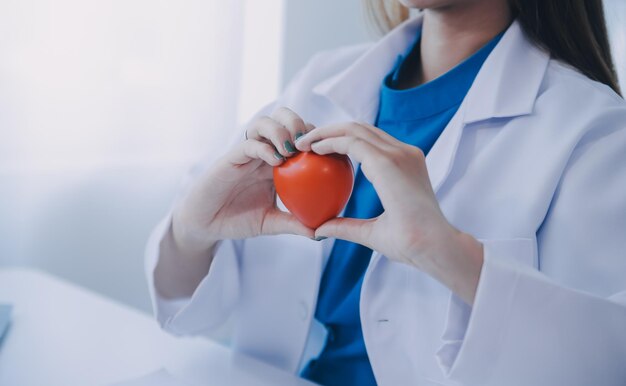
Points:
(533, 164)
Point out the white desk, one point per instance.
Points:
(62, 334)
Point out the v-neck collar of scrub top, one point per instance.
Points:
(513, 73)
(433, 97)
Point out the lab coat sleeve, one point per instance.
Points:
(532, 326)
(209, 308)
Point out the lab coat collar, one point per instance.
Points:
(356, 89)
(506, 86)
(508, 83)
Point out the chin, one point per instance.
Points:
(426, 4)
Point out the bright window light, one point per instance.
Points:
(88, 83)
(262, 55)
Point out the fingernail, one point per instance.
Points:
(298, 135)
(289, 147)
(277, 155)
(320, 238)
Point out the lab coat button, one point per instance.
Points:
(304, 310)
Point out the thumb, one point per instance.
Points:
(278, 222)
(351, 229)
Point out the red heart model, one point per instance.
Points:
(314, 187)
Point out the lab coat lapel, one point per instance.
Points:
(356, 90)
(506, 86)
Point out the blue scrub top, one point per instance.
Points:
(416, 116)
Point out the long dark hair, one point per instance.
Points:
(573, 31)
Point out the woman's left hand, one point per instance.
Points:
(412, 229)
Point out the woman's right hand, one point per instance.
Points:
(235, 198)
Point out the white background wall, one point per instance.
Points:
(313, 26)
(103, 104)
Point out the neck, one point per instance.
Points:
(452, 34)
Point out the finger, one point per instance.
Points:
(252, 149)
(290, 120)
(360, 149)
(268, 129)
(309, 127)
(376, 163)
(355, 230)
(279, 222)
(352, 129)
(390, 139)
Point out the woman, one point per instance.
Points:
(497, 259)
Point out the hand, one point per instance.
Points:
(235, 198)
(412, 229)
